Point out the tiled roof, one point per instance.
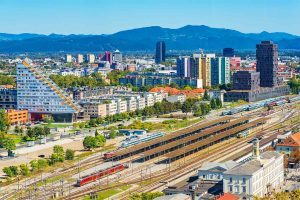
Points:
(292, 141)
(228, 196)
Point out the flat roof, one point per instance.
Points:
(173, 135)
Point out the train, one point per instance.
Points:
(108, 155)
(278, 101)
(100, 174)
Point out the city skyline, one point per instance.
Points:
(107, 17)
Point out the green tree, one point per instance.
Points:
(113, 134)
(15, 170)
(7, 171)
(17, 129)
(9, 145)
(100, 140)
(4, 121)
(213, 104)
(219, 103)
(90, 142)
(24, 170)
(206, 96)
(59, 151)
(42, 164)
(70, 154)
(96, 133)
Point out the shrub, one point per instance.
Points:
(70, 154)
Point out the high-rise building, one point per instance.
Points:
(267, 63)
(160, 55)
(117, 56)
(41, 97)
(183, 65)
(108, 57)
(220, 70)
(206, 69)
(80, 58)
(228, 52)
(90, 58)
(68, 58)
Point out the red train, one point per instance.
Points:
(95, 176)
(108, 155)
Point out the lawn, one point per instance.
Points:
(57, 125)
(111, 192)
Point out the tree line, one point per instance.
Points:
(38, 165)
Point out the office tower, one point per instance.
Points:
(108, 57)
(80, 58)
(228, 52)
(41, 97)
(68, 58)
(220, 70)
(117, 56)
(246, 80)
(160, 55)
(267, 63)
(90, 58)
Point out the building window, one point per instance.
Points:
(244, 180)
(230, 188)
(244, 189)
(236, 189)
(203, 176)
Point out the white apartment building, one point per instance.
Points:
(141, 103)
(91, 58)
(158, 97)
(68, 58)
(257, 177)
(149, 99)
(176, 98)
(131, 104)
(111, 108)
(80, 58)
(94, 109)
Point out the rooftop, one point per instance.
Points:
(249, 168)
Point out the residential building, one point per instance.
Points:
(94, 109)
(149, 99)
(68, 58)
(267, 63)
(80, 58)
(228, 52)
(206, 71)
(160, 54)
(17, 116)
(220, 70)
(183, 66)
(90, 58)
(41, 96)
(8, 98)
(176, 98)
(290, 144)
(111, 107)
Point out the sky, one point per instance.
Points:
(110, 16)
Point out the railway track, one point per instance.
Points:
(162, 174)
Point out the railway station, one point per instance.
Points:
(189, 140)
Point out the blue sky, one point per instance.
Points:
(109, 16)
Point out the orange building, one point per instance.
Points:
(17, 116)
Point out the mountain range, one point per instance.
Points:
(190, 37)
